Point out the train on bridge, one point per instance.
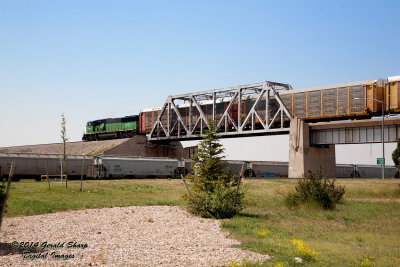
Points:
(355, 100)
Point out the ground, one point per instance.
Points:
(364, 230)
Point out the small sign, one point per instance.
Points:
(379, 161)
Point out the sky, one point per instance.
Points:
(98, 59)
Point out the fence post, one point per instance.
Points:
(244, 167)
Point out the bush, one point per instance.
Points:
(213, 189)
(396, 157)
(313, 189)
(218, 203)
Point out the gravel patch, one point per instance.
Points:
(73, 148)
(123, 236)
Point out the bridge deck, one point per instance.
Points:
(354, 131)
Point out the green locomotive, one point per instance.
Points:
(111, 128)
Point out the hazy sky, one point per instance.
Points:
(98, 59)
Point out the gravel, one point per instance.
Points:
(123, 236)
(73, 148)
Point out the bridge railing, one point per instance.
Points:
(243, 110)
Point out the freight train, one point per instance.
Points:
(29, 165)
(353, 100)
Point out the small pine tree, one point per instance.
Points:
(64, 138)
(396, 157)
(212, 187)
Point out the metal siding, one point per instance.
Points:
(391, 133)
(314, 103)
(370, 135)
(329, 137)
(260, 109)
(356, 135)
(357, 105)
(272, 108)
(377, 135)
(299, 104)
(363, 135)
(287, 101)
(329, 102)
(397, 86)
(342, 99)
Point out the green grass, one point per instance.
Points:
(30, 198)
(364, 230)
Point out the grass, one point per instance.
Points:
(30, 198)
(364, 230)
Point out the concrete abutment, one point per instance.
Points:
(139, 147)
(304, 158)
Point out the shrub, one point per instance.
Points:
(213, 189)
(396, 157)
(313, 189)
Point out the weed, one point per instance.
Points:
(303, 251)
(262, 233)
(313, 190)
(359, 239)
(330, 217)
(367, 262)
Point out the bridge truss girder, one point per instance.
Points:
(236, 118)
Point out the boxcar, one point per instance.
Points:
(325, 102)
(341, 100)
(392, 93)
(148, 117)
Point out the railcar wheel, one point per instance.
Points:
(180, 171)
(249, 173)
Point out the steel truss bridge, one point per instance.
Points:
(186, 116)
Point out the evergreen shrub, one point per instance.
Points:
(313, 189)
(212, 187)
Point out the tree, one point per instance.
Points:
(396, 157)
(64, 139)
(212, 187)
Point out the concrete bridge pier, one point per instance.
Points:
(304, 158)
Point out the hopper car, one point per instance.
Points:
(34, 165)
(341, 101)
(30, 165)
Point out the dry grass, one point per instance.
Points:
(360, 229)
(364, 229)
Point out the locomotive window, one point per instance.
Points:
(130, 118)
(113, 120)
